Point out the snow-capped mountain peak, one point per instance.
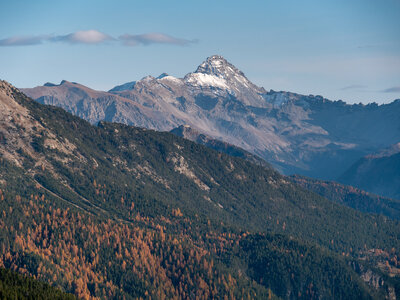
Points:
(217, 72)
(217, 65)
(220, 76)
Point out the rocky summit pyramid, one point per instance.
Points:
(309, 135)
(217, 74)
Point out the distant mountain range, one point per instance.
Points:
(308, 135)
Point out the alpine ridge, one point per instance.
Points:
(308, 135)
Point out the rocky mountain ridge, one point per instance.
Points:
(309, 135)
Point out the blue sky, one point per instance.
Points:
(347, 50)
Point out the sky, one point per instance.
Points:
(347, 50)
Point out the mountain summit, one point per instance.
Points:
(217, 73)
(218, 66)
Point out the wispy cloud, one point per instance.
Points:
(353, 87)
(94, 37)
(23, 40)
(152, 38)
(83, 37)
(394, 89)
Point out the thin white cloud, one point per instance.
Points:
(23, 40)
(94, 37)
(83, 37)
(152, 38)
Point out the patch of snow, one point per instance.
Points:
(216, 63)
(171, 78)
(345, 145)
(206, 80)
(241, 80)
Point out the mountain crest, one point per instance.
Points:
(162, 75)
(217, 65)
(6, 87)
(220, 76)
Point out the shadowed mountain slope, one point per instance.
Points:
(377, 173)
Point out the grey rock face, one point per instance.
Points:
(309, 135)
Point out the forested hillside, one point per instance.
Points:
(334, 191)
(117, 211)
(17, 286)
(351, 196)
